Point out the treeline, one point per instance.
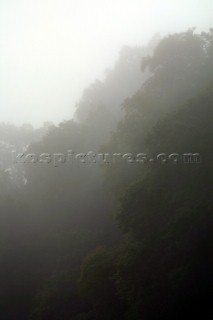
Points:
(121, 240)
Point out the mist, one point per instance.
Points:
(50, 51)
(106, 160)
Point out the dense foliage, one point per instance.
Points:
(126, 240)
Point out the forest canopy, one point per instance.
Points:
(116, 241)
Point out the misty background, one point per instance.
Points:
(124, 240)
(51, 50)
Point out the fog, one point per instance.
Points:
(51, 50)
(106, 159)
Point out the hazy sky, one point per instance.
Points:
(50, 50)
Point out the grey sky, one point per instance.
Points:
(50, 50)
